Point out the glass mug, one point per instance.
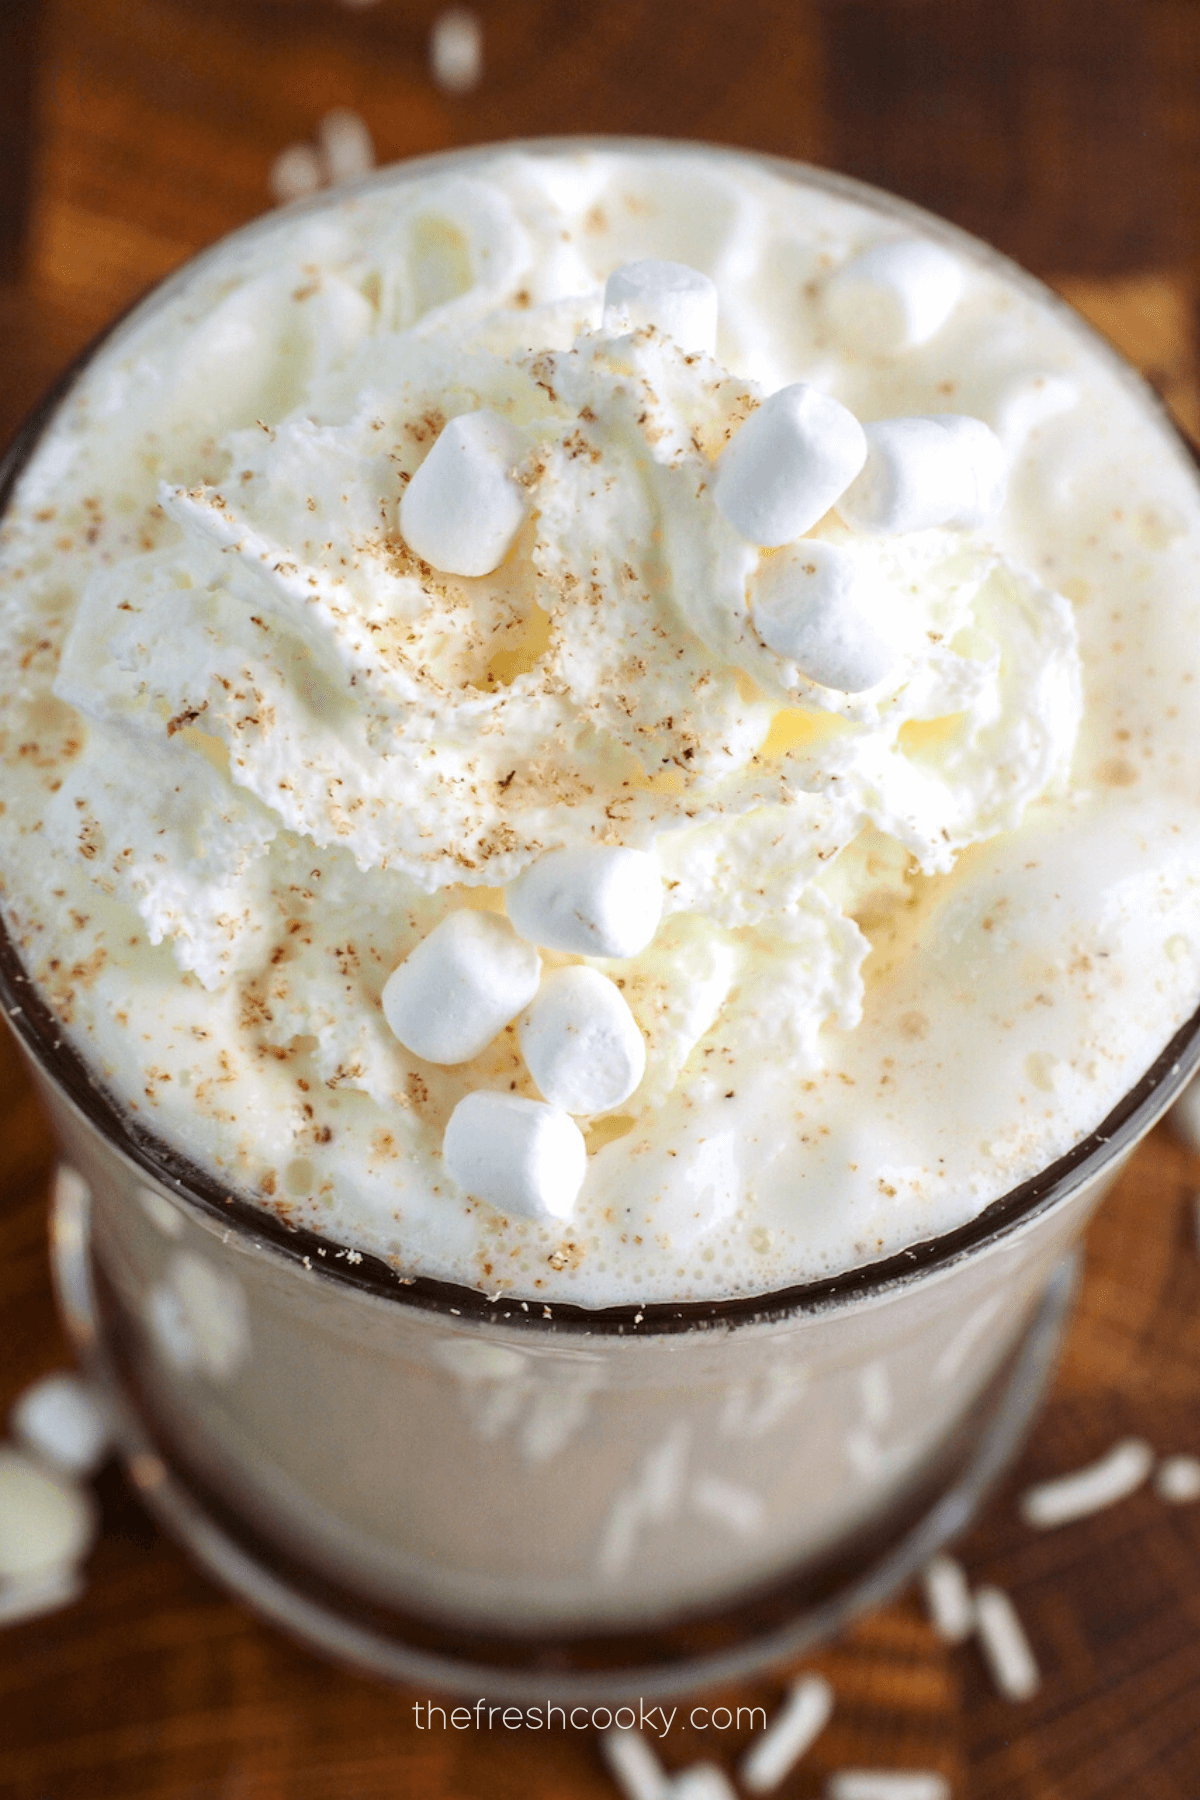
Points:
(540, 1501)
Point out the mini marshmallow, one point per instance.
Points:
(462, 509)
(788, 464)
(581, 1043)
(678, 301)
(894, 296)
(520, 1156)
(814, 605)
(461, 985)
(62, 1418)
(945, 470)
(593, 900)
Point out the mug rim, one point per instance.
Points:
(57, 1059)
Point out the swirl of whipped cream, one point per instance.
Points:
(605, 684)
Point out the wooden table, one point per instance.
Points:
(1067, 132)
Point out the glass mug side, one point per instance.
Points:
(531, 1502)
(473, 1493)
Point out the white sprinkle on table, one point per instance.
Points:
(887, 1784)
(345, 146)
(1185, 1116)
(456, 50)
(703, 1781)
(633, 1764)
(63, 1420)
(1090, 1489)
(795, 1727)
(1177, 1480)
(20, 1600)
(948, 1599)
(1005, 1647)
(47, 1522)
(295, 172)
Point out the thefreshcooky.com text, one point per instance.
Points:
(430, 1716)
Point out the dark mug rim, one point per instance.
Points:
(44, 1039)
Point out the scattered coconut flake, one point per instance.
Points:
(69, 1191)
(633, 1764)
(456, 50)
(703, 1781)
(795, 1727)
(345, 145)
(63, 1420)
(1005, 1647)
(948, 1599)
(1088, 1490)
(46, 1521)
(21, 1600)
(1185, 1118)
(1177, 1480)
(295, 172)
(887, 1784)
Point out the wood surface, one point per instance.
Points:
(1067, 131)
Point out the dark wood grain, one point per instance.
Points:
(1033, 124)
(18, 73)
(1068, 131)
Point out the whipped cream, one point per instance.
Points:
(917, 938)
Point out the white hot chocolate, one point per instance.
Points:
(626, 563)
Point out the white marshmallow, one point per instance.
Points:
(581, 1042)
(894, 296)
(520, 1156)
(461, 985)
(788, 464)
(814, 605)
(945, 470)
(678, 301)
(462, 509)
(63, 1419)
(595, 900)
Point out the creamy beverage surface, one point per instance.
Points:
(919, 931)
